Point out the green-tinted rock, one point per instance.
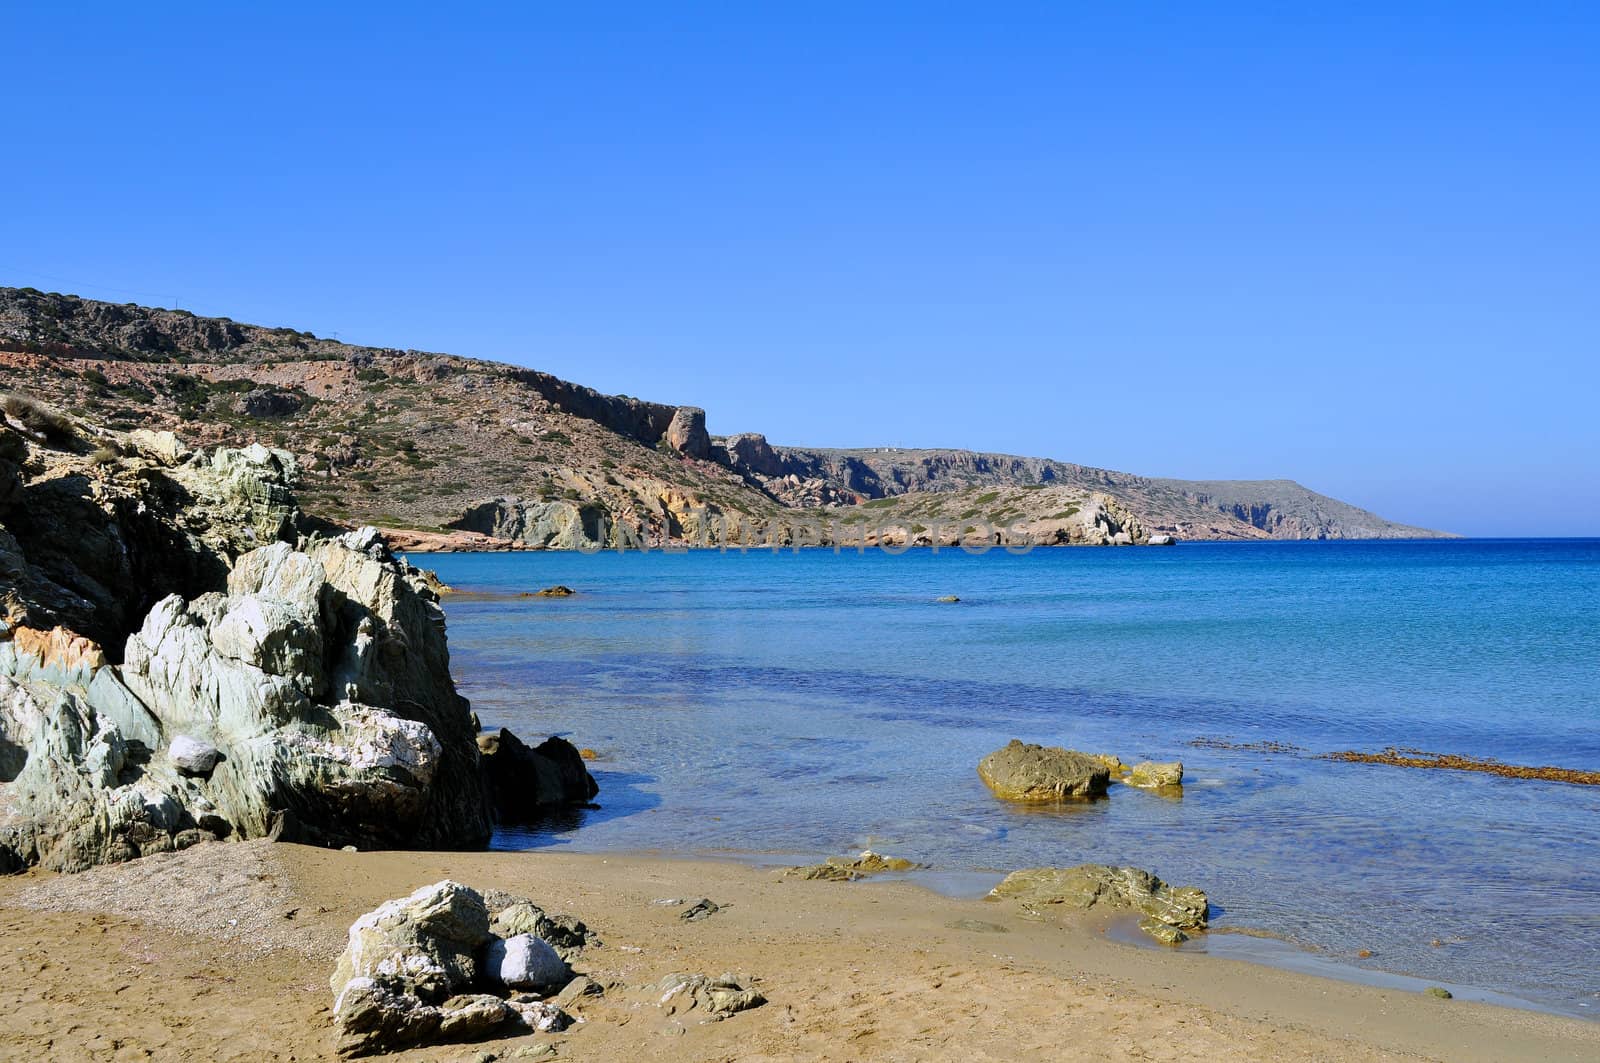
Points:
(1151, 775)
(1087, 885)
(1162, 932)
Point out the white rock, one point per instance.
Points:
(193, 756)
(525, 962)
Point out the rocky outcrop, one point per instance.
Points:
(1024, 772)
(687, 432)
(554, 525)
(311, 700)
(270, 403)
(173, 668)
(526, 783)
(1169, 911)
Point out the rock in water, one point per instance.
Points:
(843, 869)
(1024, 772)
(192, 756)
(560, 590)
(525, 962)
(1150, 775)
(525, 783)
(1089, 885)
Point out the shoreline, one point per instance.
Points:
(871, 970)
(1250, 945)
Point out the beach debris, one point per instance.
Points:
(704, 908)
(1364, 954)
(589, 754)
(669, 902)
(1166, 908)
(844, 869)
(1439, 992)
(1151, 775)
(527, 782)
(1024, 772)
(1416, 758)
(720, 996)
(525, 962)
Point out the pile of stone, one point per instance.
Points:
(437, 967)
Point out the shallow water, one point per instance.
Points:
(818, 703)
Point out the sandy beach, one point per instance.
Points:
(223, 952)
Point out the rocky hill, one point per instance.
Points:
(456, 452)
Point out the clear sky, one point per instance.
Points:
(1354, 244)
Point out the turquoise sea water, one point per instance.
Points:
(813, 703)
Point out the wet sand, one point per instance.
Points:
(223, 953)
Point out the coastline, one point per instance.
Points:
(870, 970)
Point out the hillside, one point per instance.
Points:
(494, 454)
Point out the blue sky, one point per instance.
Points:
(1353, 244)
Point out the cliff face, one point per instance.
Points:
(427, 443)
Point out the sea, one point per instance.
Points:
(787, 706)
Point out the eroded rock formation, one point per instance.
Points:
(184, 656)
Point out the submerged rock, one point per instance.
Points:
(844, 869)
(1025, 772)
(1089, 885)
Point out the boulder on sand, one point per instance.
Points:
(410, 968)
(525, 962)
(1025, 772)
